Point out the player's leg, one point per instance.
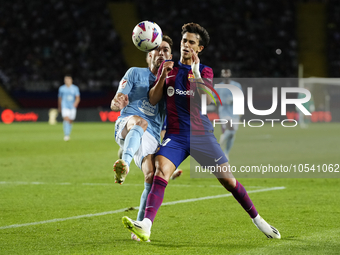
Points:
(175, 152)
(72, 117)
(227, 140)
(66, 114)
(66, 128)
(132, 132)
(148, 171)
(240, 194)
(144, 160)
(211, 153)
(228, 137)
(148, 166)
(232, 185)
(164, 170)
(178, 172)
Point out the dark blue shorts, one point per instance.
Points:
(203, 148)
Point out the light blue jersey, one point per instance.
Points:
(226, 109)
(68, 96)
(136, 83)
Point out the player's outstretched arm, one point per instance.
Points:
(76, 103)
(119, 102)
(156, 92)
(195, 70)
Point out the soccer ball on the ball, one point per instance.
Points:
(147, 36)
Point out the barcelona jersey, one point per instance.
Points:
(183, 102)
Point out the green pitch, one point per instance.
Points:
(66, 190)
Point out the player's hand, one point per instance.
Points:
(195, 64)
(194, 57)
(167, 67)
(120, 102)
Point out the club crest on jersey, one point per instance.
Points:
(123, 83)
(170, 91)
(191, 77)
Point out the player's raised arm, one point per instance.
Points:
(77, 98)
(76, 102)
(156, 92)
(195, 65)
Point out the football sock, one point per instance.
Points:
(132, 143)
(70, 127)
(155, 197)
(241, 195)
(67, 127)
(230, 139)
(64, 127)
(143, 198)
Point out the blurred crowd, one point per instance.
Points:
(40, 41)
(254, 38)
(334, 38)
(43, 40)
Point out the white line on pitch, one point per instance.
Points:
(122, 210)
(110, 184)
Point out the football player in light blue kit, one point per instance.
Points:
(138, 128)
(68, 100)
(225, 112)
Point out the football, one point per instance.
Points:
(147, 36)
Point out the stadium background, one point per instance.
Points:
(40, 41)
(59, 197)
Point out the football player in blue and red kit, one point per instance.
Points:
(188, 131)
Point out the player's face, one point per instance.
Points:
(225, 73)
(68, 80)
(163, 52)
(190, 40)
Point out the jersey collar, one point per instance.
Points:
(183, 65)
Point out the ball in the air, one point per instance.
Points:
(147, 36)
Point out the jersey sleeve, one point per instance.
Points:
(207, 76)
(126, 83)
(77, 91)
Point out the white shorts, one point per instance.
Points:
(70, 113)
(148, 145)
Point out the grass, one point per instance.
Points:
(44, 178)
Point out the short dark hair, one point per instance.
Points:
(197, 29)
(167, 39)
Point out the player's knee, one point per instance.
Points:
(148, 177)
(142, 123)
(163, 173)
